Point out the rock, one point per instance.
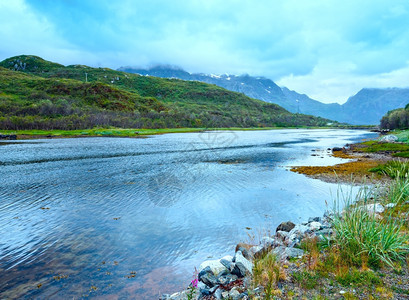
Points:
(255, 249)
(287, 252)
(243, 266)
(218, 294)
(282, 235)
(267, 241)
(228, 264)
(390, 205)
(244, 248)
(296, 235)
(207, 277)
(374, 208)
(336, 149)
(225, 295)
(389, 138)
(227, 257)
(234, 293)
(204, 292)
(226, 278)
(316, 219)
(285, 226)
(215, 266)
(314, 226)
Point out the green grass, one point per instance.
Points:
(100, 132)
(46, 95)
(306, 279)
(375, 146)
(362, 238)
(393, 169)
(356, 277)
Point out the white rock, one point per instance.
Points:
(215, 266)
(267, 241)
(374, 208)
(240, 259)
(314, 226)
(390, 205)
(253, 250)
(227, 257)
(234, 293)
(389, 138)
(282, 235)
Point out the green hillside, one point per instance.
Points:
(38, 94)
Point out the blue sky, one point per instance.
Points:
(325, 48)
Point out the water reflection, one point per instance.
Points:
(126, 217)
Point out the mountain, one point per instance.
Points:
(369, 105)
(255, 87)
(366, 107)
(38, 94)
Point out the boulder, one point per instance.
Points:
(215, 266)
(316, 219)
(242, 265)
(285, 226)
(234, 294)
(374, 208)
(207, 277)
(228, 265)
(389, 138)
(314, 226)
(297, 233)
(282, 235)
(267, 241)
(244, 248)
(226, 278)
(287, 252)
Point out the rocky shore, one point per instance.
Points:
(233, 277)
(230, 277)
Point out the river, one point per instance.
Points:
(118, 218)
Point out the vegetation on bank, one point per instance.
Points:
(396, 119)
(366, 257)
(38, 94)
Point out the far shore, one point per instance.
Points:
(140, 133)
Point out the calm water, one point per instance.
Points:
(130, 218)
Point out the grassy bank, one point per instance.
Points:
(367, 255)
(128, 132)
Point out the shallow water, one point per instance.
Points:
(131, 218)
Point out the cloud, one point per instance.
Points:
(299, 43)
(326, 85)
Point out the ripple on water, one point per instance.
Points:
(78, 216)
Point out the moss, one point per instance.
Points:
(355, 168)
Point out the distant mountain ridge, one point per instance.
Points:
(366, 107)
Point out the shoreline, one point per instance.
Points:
(296, 251)
(138, 133)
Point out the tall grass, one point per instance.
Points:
(362, 237)
(393, 169)
(267, 272)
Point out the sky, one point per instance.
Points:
(327, 49)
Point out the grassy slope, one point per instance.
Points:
(154, 102)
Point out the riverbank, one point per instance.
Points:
(357, 250)
(135, 133)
